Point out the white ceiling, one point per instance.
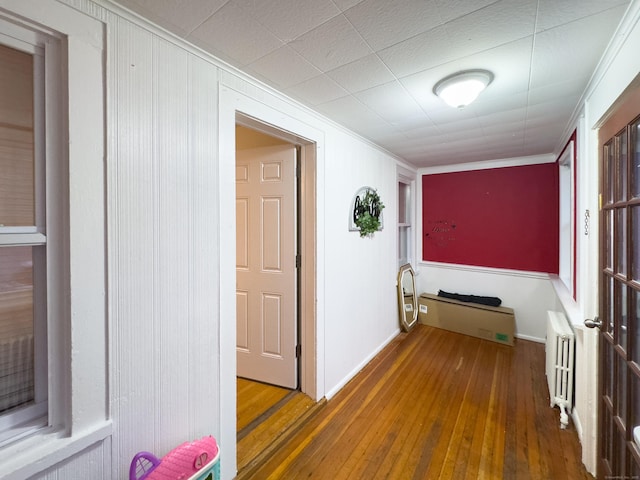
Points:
(370, 65)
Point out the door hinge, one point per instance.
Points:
(298, 261)
(298, 171)
(298, 350)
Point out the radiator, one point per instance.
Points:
(16, 371)
(560, 347)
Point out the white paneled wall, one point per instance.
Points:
(171, 334)
(163, 210)
(92, 463)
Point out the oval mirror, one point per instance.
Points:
(407, 299)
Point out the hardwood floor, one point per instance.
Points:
(436, 405)
(256, 400)
(266, 414)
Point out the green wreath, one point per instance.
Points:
(366, 213)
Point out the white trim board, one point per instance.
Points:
(331, 393)
(488, 164)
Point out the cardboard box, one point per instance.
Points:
(489, 323)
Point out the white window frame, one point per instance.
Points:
(77, 339)
(24, 421)
(567, 199)
(406, 229)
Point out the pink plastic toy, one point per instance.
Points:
(196, 460)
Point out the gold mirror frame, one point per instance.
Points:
(407, 298)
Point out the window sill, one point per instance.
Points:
(35, 419)
(41, 451)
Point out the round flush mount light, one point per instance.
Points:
(462, 88)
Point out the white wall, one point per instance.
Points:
(170, 243)
(360, 307)
(529, 294)
(163, 243)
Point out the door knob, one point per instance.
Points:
(595, 323)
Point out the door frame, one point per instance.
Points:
(236, 107)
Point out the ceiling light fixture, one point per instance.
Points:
(462, 88)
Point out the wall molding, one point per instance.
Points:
(488, 164)
(115, 8)
(530, 338)
(620, 37)
(333, 391)
(486, 270)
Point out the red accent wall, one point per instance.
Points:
(500, 217)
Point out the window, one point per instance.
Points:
(62, 246)
(23, 240)
(567, 190)
(405, 246)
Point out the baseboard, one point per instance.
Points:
(331, 393)
(530, 338)
(576, 423)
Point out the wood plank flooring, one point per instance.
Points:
(266, 414)
(255, 400)
(436, 405)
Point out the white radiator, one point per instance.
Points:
(560, 357)
(16, 371)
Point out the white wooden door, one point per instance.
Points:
(265, 265)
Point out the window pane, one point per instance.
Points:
(621, 240)
(566, 235)
(621, 189)
(403, 249)
(609, 380)
(635, 242)
(16, 138)
(623, 323)
(635, 159)
(635, 311)
(608, 160)
(403, 205)
(620, 452)
(635, 400)
(608, 223)
(611, 304)
(16, 326)
(621, 390)
(609, 432)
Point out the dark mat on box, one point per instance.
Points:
(490, 301)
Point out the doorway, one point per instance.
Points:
(286, 355)
(259, 113)
(619, 364)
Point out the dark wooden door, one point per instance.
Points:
(619, 408)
